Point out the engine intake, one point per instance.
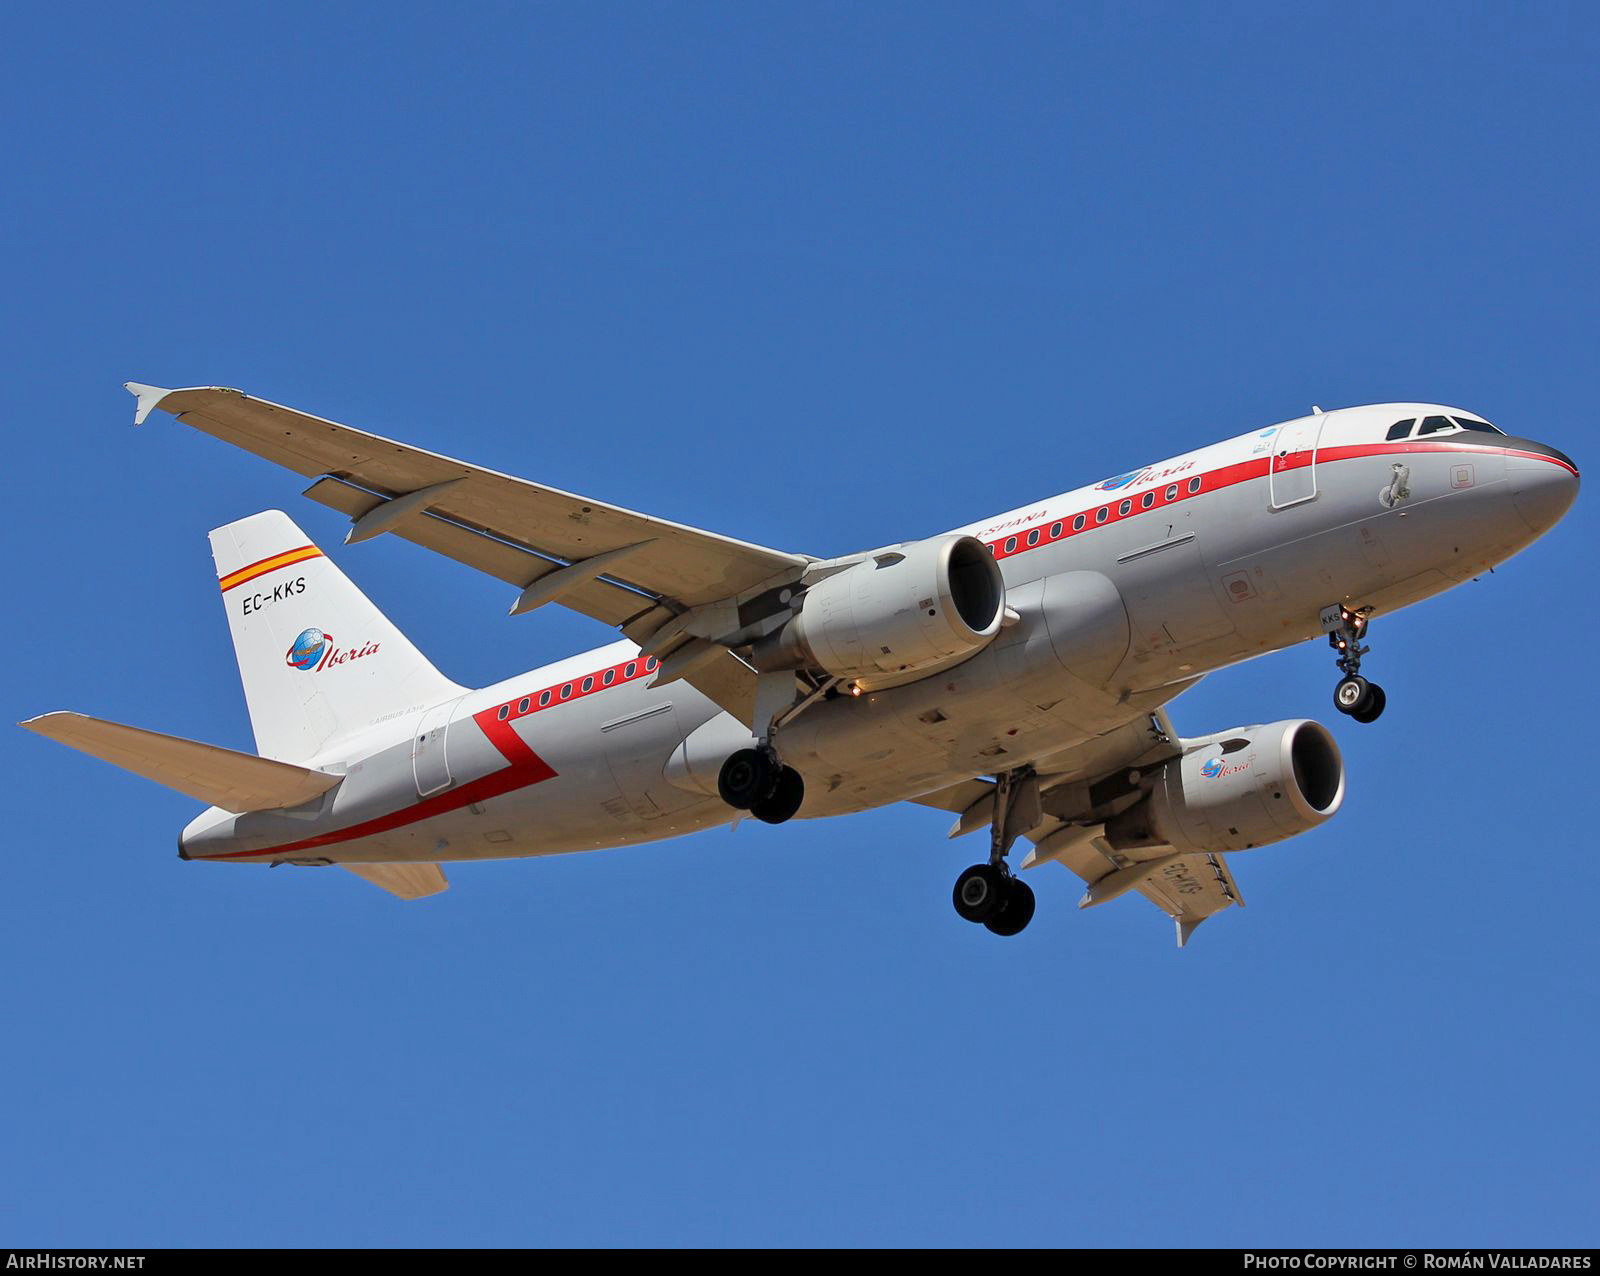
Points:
(914, 607)
(1240, 789)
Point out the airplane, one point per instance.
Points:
(1012, 672)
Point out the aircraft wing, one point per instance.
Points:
(1077, 787)
(1192, 888)
(1187, 888)
(626, 569)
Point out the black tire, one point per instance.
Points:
(788, 792)
(746, 777)
(1016, 909)
(979, 892)
(1352, 695)
(1373, 709)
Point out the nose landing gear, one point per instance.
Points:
(1354, 696)
(988, 893)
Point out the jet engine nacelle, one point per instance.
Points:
(1243, 788)
(917, 606)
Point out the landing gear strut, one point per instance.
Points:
(1354, 696)
(988, 893)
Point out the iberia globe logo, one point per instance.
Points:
(1122, 480)
(307, 649)
(313, 651)
(1212, 769)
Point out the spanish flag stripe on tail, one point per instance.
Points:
(266, 565)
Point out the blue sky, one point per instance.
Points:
(821, 276)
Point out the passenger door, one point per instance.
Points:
(1293, 473)
(430, 754)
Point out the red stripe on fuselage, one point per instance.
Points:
(520, 776)
(1215, 480)
(526, 767)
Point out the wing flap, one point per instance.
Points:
(220, 777)
(607, 603)
(403, 881)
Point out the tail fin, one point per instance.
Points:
(317, 659)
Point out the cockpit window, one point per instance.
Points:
(1401, 428)
(1433, 424)
(1483, 427)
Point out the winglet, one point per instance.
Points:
(1186, 925)
(147, 395)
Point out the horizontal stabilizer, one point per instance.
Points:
(406, 881)
(221, 777)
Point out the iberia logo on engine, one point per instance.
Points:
(313, 651)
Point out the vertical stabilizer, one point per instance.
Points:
(319, 662)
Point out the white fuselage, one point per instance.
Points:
(1125, 593)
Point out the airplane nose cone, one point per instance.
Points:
(1544, 483)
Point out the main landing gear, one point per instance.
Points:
(988, 893)
(1354, 696)
(754, 780)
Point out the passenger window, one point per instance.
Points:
(1433, 424)
(1147, 500)
(1125, 508)
(1033, 537)
(628, 672)
(1483, 427)
(523, 707)
(1101, 514)
(650, 664)
(566, 691)
(1172, 492)
(1055, 530)
(1078, 522)
(544, 698)
(610, 677)
(1194, 484)
(588, 683)
(1011, 544)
